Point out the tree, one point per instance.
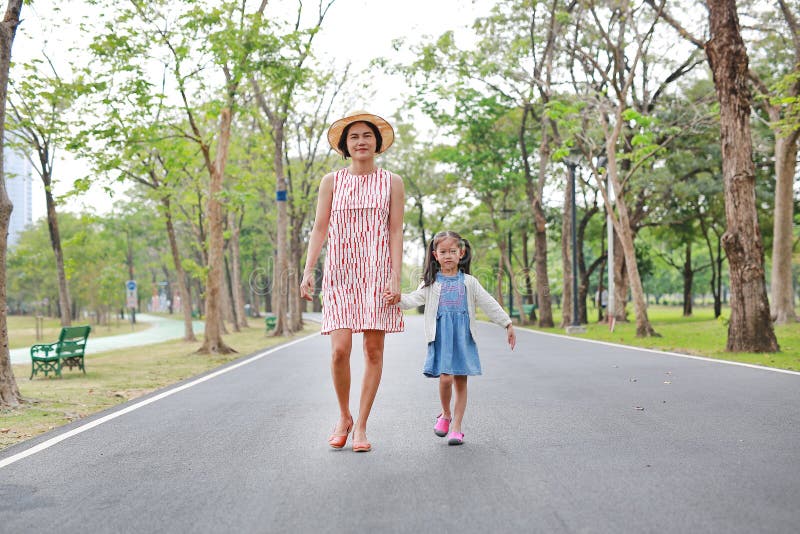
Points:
(9, 392)
(750, 328)
(513, 62)
(780, 46)
(617, 73)
(304, 134)
(236, 43)
(132, 139)
(39, 123)
(274, 90)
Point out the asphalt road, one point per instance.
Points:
(561, 435)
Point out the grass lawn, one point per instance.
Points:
(115, 377)
(22, 330)
(699, 335)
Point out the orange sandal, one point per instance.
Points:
(361, 446)
(337, 439)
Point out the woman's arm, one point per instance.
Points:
(396, 209)
(318, 234)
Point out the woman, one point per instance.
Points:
(360, 212)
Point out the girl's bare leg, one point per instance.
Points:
(460, 384)
(373, 368)
(341, 345)
(446, 394)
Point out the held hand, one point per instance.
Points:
(307, 286)
(392, 293)
(388, 297)
(512, 337)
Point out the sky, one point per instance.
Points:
(354, 30)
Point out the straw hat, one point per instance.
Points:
(336, 129)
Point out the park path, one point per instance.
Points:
(161, 329)
(562, 436)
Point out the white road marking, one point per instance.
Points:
(97, 422)
(661, 352)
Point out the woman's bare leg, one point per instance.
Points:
(446, 394)
(341, 345)
(373, 368)
(460, 383)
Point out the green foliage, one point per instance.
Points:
(787, 98)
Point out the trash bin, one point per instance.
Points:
(269, 322)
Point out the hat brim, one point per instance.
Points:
(336, 129)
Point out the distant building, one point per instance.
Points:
(19, 184)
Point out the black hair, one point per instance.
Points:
(343, 138)
(432, 266)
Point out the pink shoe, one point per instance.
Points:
(455, 438)
(442, 426)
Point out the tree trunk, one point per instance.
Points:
(785, 165)
(317, 299)
(297, 304)
(231, 314)
(236, 270)
(280, 273)
(540, 237)
(528, 283)
(688, 279)
(55, 242)
(750, 327)
(566, 257)
(600, 288)
(620, 282)
(183, 290)
(9, 391)
(718, 287)
(622, 226)
(212, 342)
(255, 288)
(583, 275)
(782, 288)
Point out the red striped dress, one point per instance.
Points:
(358, 266)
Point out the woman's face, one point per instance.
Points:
(361, 142)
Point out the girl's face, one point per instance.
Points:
(448, 253)
(361, 142)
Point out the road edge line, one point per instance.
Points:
(663, 352)
(164, 394)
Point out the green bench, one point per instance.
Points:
(527, 308)
(67, 351)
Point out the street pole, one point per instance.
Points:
(575, 327)
(507, 214)
(610, 230)
(510, 280)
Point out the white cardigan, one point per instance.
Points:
(476, 295)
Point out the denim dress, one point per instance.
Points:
(453, 351)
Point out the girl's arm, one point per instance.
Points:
(396, 207)
(318, 234)
(495, 312)
(413, 299)
(490, 306)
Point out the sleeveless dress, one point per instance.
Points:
(453, 352)
(358, 265)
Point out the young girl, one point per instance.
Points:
(450, 295)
